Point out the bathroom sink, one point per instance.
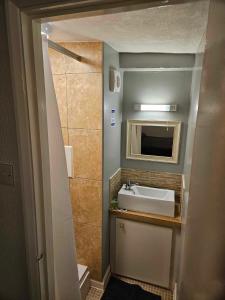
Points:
(147, 199)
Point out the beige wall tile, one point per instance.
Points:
(91, 53)
(88, 244)
(60, 90)
(58, 63)
(65, 136)
(87, 201)
(87, 147)
(84, 92)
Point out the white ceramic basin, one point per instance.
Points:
(146, 199)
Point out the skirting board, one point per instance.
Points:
(101, 285)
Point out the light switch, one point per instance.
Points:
(6, 174)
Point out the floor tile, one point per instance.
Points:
(96, 294)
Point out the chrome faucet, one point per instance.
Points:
(129, 185)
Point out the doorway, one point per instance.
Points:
(40, 125)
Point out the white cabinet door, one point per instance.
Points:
(143, 251)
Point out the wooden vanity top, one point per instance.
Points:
(147, 218)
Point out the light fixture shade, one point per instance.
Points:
(155, 107)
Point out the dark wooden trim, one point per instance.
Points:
(50, 10)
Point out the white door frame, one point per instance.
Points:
(23, 27)
(31, 132)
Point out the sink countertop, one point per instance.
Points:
(148, 218)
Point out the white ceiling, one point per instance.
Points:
(169, 29)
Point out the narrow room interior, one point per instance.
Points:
(127, 88)
(112, 142)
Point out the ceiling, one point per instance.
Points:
(166, 29)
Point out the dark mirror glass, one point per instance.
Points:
(152, 140)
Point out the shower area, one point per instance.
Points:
(76, 71)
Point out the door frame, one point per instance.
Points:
(23, 26)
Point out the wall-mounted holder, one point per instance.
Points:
(114, 81)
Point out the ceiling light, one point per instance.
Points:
(155, 107)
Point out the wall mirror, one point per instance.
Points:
(153, 140)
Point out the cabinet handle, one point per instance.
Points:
(122, 226)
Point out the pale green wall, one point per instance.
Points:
(112, 142)
(161, 87)
(156, 60)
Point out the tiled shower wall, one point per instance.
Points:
(78, 88)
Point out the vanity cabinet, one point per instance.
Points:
(142, 251)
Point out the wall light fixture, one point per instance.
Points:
(155, 107)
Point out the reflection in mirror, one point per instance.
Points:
(153, 140)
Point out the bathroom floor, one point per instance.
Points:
(95, 294)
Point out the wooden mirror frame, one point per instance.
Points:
(164, 159)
